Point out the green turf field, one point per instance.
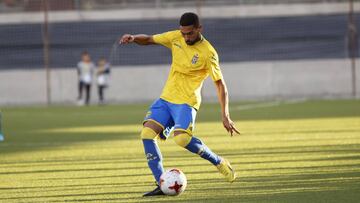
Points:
(294, 152)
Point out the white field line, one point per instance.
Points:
(266, 104)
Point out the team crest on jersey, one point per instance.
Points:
(195, 59)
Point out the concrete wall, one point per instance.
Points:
(288, 79)
(246, 81)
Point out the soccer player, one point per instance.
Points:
(85, 69)
(193, 60)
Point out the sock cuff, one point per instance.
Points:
(148, 133)
(183, 139)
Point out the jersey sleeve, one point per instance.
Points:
(164, 39)
(214, 67)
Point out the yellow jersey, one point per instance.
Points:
(191, 65)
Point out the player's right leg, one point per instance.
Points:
(156, 120)
(149, 134)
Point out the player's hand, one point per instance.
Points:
(126, 39)
(229, 125)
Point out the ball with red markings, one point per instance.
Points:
(173, 182)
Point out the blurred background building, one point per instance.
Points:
(268, 49)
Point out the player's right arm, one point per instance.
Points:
(140, 39)
(164, 39)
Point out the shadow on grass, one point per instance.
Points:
(22, 126)
(337, 187)
(41, 141)
(306, 183)
(19, 124)
(123, 161)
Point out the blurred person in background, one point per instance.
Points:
(103, 74)
(85, 70)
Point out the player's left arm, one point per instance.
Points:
(223, 96)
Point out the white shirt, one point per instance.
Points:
(103, 78)
(86, 71)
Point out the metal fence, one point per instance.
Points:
(49, 44)
(36, 5)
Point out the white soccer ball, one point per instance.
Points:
(173, 182)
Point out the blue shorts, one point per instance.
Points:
(179, 117)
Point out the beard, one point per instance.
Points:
(192, 42)
(189, 42)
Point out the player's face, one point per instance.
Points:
(190, 33)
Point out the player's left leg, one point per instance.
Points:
(184, 124)
(196, 146)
